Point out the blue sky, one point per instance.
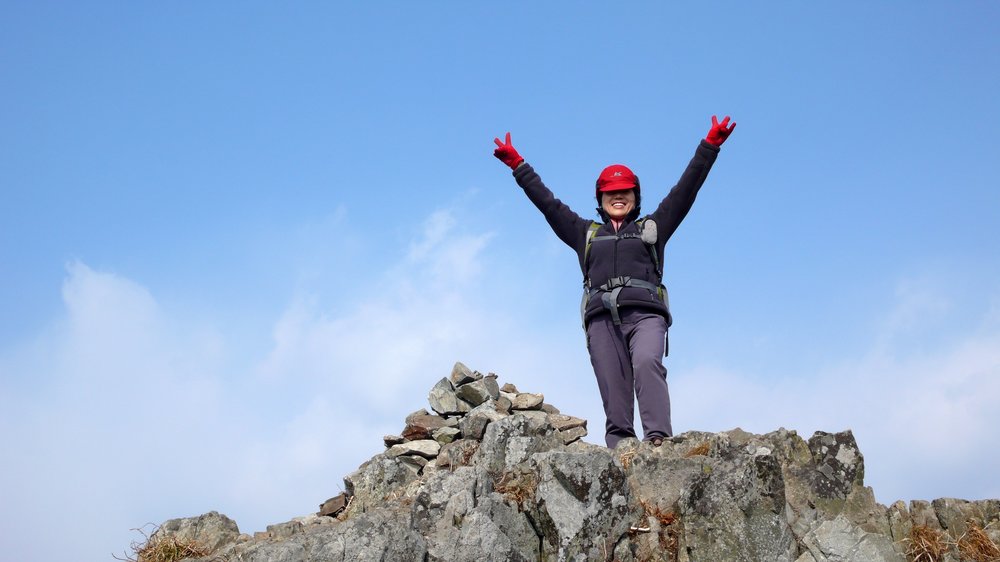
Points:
(239, 242)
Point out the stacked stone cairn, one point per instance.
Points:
(464, 404)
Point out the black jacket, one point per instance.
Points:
(627, 256)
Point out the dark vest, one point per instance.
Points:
(613, 259)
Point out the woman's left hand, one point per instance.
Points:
(719, 131)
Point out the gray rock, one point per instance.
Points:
(734, 509)
(426, 448)
(379, 535)
(824, 479)
(493, 531)
(990, 510)
(563, 423)
(512, 440)
(900, 522)
(509, 388)
(212, 530)
(420, 412)
(581, 506)
(284, 530)
(730, 502)
(461, 374)
(840, 540)
(922, 514)
(422, 426)
(503, 405)
(415, 462)
(570, 435)
(457, 453)
(291, 550)
(334, 505)
(474, 423)
(390, 440)
(527, 401)
(838, 464)
(584, 447)
(537, 416)
(550, 409)
(492, 388)
(475, 393)
(376, 481)
(315, 519)
(954, 514)
(488, 530)
(394, 522)
(446, 435)
(444, 401)
(445, 498)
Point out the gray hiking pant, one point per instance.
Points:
(628, 361)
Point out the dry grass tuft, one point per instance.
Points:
(926, 544)
(665, 518)
(699, 451)
(627, 457)
(976, 545)
(163, 549)
(668, 535)
(467, 454)
(517, 487)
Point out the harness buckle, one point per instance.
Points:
(616, 282)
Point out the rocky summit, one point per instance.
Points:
(493, 473)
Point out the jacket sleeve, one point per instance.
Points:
(678, 202)
(570, 227)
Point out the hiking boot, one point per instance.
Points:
(656, 441)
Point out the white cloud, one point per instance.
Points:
(107, 409)
(390, 325)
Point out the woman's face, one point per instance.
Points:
(618, 204)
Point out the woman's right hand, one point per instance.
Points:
(719, 131)
(506, 153)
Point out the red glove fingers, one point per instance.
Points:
(719, 131)
(506, 153)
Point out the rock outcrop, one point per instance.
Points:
(498, 474)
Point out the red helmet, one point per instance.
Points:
(616, 177)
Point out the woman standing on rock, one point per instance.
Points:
(625, 309)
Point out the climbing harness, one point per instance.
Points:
(610, 290)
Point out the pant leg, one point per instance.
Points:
(645, 334)
(613, 369)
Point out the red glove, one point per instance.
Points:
(719, 132)
(506, 153)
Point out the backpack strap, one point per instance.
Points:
(592, 229)
(651, 245)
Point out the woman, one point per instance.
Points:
(625, 309)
